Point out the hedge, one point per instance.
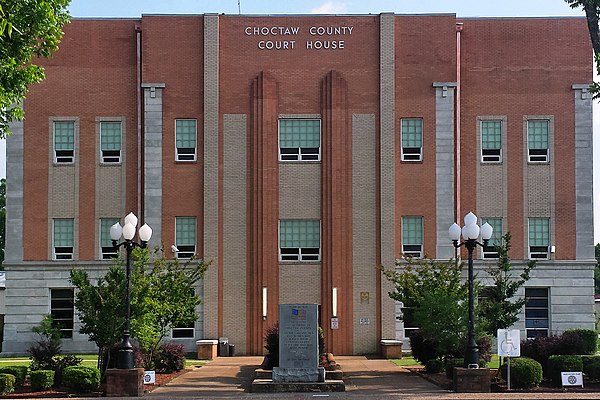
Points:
(18, 371)
(7, 383)
(562, 363)
(41, 380)
(524, 372)
(81, 379)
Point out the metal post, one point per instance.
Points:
(472, 353)
(126, 350)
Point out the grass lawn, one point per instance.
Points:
(408, 360)
(89, 360)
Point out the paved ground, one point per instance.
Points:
(229, 378)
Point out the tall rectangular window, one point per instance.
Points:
(539, 238)
(537, 140)
(106, 247)
(491, 141)
(489, 251)
(412, 236)
(184, 331)
(299, 240)
(63, 239)
(64, 142)
(411, 133)
(185, 139)
(110, 142)
(62, 309)
(537, 322)
(185, 236)
(299, 140)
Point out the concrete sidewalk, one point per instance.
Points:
(229, 377)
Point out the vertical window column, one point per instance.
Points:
(489, 251)
(62, 310)
(185, 139)
(185, 237)
(537, 322)
(491, 141)
(537, 140)
(299, 140)
(412, 236)
(63, 239)
(64, 142)
(539, 238)
(299, 240)
(107, 250)
(411, 133)
(110, 142)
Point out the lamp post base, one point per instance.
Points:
(125, 382)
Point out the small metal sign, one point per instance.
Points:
(509, 342)
(364, 321)
(149, 377)
(335, 323)
(572, 378)
(364, 297)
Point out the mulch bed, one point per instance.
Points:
(546, 386)
(25, 391)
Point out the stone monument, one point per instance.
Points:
(298, 344)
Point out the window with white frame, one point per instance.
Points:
(537, 321)
(185, 139)
(539, 238)
(110, 142)
(185, 237)
(411, 133)
(62, 310)
(106, 247)
(412, 236)
(537, 140)
(299, 240)
(185, 331)
(489, 251)
(299, 139)
(64, 142)
(491, 141)
(63, 239)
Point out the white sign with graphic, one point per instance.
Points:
(509, 342)
(149, 377)
(572, 378)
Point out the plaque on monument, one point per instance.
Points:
(298, 344)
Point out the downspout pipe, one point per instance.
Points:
(459, 28)
(138, 34)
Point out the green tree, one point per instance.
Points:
(28, 29)
(499, 309)
(162, 297)
(592, 14)
(434, 298)
(166, 299)
(2, 220)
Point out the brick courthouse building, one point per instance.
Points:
(298, 153)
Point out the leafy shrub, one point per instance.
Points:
(588, 339)
(524, 372)
(41, 380)
(540, 349)
(63, 362)
(423, 348)
(18, 371)
(81, 379)
(451, 363)
(434, 366)
(272, 347)
(170, 357)
(591, 367)
(7, 383)
(560, 363)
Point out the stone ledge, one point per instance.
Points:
(268, 386)
(337, 375)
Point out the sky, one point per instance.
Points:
(462, 8)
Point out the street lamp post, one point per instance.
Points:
(125, 360)
(470, 233)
